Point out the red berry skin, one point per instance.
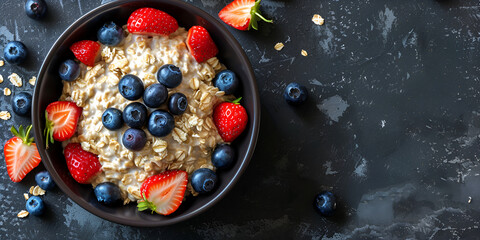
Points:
(83, 165)
(151, 21)
(86, 51)
(230, 119)
(200, 44)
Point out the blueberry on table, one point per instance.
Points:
(112, 119)
(160, 123)
(134, 139)
(169, 75)
(226, 81)
(295, 93)
(35, 206)
(110, 34)
(36, 9)
(131, 87)
(15, 52)
(203, 180)
(177, 104)
(135, 115)
(155, 95)
(69, 70)
(325, 203)
(22, 104)
(223, 156)
(108, 193)
(44, 180)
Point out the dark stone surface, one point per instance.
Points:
(391, 126)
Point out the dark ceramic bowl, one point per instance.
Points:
(49, 88)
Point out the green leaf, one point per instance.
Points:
(256, 14)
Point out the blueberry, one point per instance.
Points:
(44, 180)
(169, 75)
(203, 180)
(155, 95)
(160, 123)
(325, 203)
(112, 119)
(108, 193)
(223, 156)
(15, 52)
(110, 34)
(22, 103)
(295, 93)
(69, 70)
(226, 81)
(35, 206)
(177, 104)
(135, 115)
(131, 87)
(35, 9)
(134, 139)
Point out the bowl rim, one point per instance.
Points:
(254, 120)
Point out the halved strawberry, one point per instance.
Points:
(242, 14)
(21, 154)
(86, 51)
(83, 165)
(151, 21)
(200, 44)
(164, 192)
(61, 120)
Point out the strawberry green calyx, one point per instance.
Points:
(255, 15)
(48, 131)
(145, 205)
(23, 134)
(236, 101)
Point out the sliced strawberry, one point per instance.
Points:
(242, 14)
(231, 119)
(61, 120)
(21, 154)
(86, 51)
(164, 192)
(200, 44)
(151, 21)
(83, 165)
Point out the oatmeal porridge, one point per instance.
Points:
(191, 142)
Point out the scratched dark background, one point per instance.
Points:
(391, 126)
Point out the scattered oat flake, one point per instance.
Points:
(4, 115)
(317, 19)
(1, 63)
(25, 195)
(7, 91)
(31, 189)
(22, 214)
(469, 199)
(1, 78)
(304, 53)
(38, 191)
(32, 80)
(279, 46)
(15, 79)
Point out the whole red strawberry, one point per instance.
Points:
(200, 44)
(242, 14)
(86, 51)
(164, 192)
(83, 165)
(231, 119)
(21, 154)
(151, 21)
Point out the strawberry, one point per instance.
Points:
(86, 51)
(151, 21)
(200, 44)
(231, 119)
(21, 154)
(242, 14)
(82, 165)
(61, 120)
(164, 192)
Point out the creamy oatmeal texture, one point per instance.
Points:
(189, 145)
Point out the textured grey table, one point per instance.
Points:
(391, 126)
